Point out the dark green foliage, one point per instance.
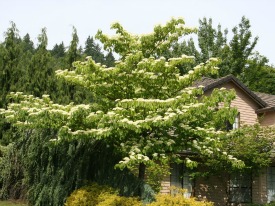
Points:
(109, 60)
(27, 44)
(211, 41)
(237, 55)
(242, 46)
(32, 70)
(50, 172)
(12, 73)
(73, 53)
(40, 69)
(258, 76)
(58, 50)
(31, 167)
(92, 49)
(11, 172)
(10, 55)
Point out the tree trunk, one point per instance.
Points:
(141, 171)
(141, 177)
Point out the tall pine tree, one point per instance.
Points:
(73, 52)
(92, 49)
(9, 75)
(40, 68)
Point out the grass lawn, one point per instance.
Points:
(11, 203)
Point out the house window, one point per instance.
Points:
(270, 184)
(235, 125)
(181, 178)
(240, 188)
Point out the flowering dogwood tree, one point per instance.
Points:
(142, 105)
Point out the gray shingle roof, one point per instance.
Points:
(205, 81)
(268, 98)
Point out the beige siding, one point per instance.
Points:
(259, 188)
(245, 105)
(214, 189)
(267, 119)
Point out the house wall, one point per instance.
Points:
(215, 188)
(259, 187)
(246, 106)
(267, 119)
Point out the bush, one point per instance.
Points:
(99, 195)
(177, 198)
(115, 200)
(44, 173)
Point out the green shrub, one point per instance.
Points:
(45, 173)
(99, 195)
(177, 198)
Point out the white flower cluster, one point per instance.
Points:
(92, 132)
(212, 59)
(134, 157)
(79, 107)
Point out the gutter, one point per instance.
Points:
(266, 109)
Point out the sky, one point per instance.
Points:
(137, 16)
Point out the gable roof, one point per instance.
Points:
(209, 83)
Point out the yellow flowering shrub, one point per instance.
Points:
(99, 195)
(176, 198)
(115, 200)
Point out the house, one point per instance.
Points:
(253, 107)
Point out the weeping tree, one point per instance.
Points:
(142, 107)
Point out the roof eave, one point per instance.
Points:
(266, 109)
(229, 78)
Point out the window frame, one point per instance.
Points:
(241, 185)
(184, 179)
(236, 123)
(270, 178)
